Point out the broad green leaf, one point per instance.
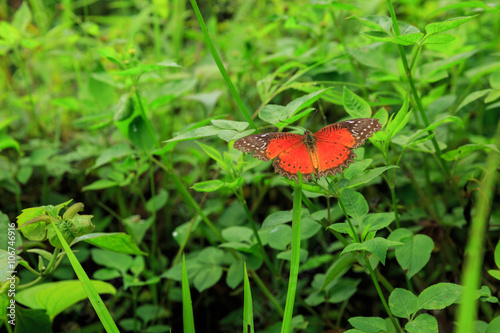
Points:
(424, 323)
(22, 17)
(238, 234)
(378, 246)
(112, 154)
(354, 105)
(158, 201)
(494, 325)
(368, 324)
(438, 39)
(234, 275)
(117, 242)
(494, 81)
(229, 135)
(367, 176)
(35, 231)
(408, 39)
(355, 204)
(338, 268)
(473, 96)
(140, 135)
(230, 124)
(377, 221)
(279, 237)
(403, 303)
(436, 27)
(207, 277)
(414, 254)
(439, 296)
(30, 320)
(287, 255)
(272, 113)
(124, 108)
(356, 168)
(55, 297)
(380, 36)
(466, 150)
(212, 152)
(276, 218)
(304, 101)
(196, 133)
(119, 261)
(381, 23)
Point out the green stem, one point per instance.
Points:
(380, 294)
(243, 203)
(266, 292)
(353, 230)
(221, 67)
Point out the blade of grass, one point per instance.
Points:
(187, 306)
(221, 67)
(247, 304)
(295, 261)
(467, 311)
(96, 301)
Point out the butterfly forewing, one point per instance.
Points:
(267, 146)
(350, 133)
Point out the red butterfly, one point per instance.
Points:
(325, 152)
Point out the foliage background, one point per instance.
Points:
(90, 90)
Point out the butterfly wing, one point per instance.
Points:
(334, 143)
(294, 159)
(267, 146)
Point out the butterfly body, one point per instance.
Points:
(325, 152)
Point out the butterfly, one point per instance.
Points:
(321, 154)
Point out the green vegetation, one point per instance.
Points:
(126, 208)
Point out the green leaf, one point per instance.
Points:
(381, 23)
(31, 320)
(438, 39)
(140, 135)
(379, 36)
(439, 296)
(238, 234)
(377, 221)
(424, 323)
(355, 204)
(100, 185)
(473, 96)
(367, 176)
(35, 231)
(403, 303)
(119, 261)
(158, 201)
(117, 242)
(414, 254)
(272, 113)
(124, 108)
(436, 27)
(302, 102)
(212, 152)
(55, 297)
(113, 153)
(196, 133)
(338, 268)
(208, 186)
(378, 246)
(187, 306)
(354, 105)
(368, 324)
(230, 124)
(399, 121)
(494, 325)
(248, 325)
(356, 168)
(408, 39)
(465, 150)
(22, 17)
(276, 218)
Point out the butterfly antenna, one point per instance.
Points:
(310, 118)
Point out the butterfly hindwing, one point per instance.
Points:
(267, 146)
